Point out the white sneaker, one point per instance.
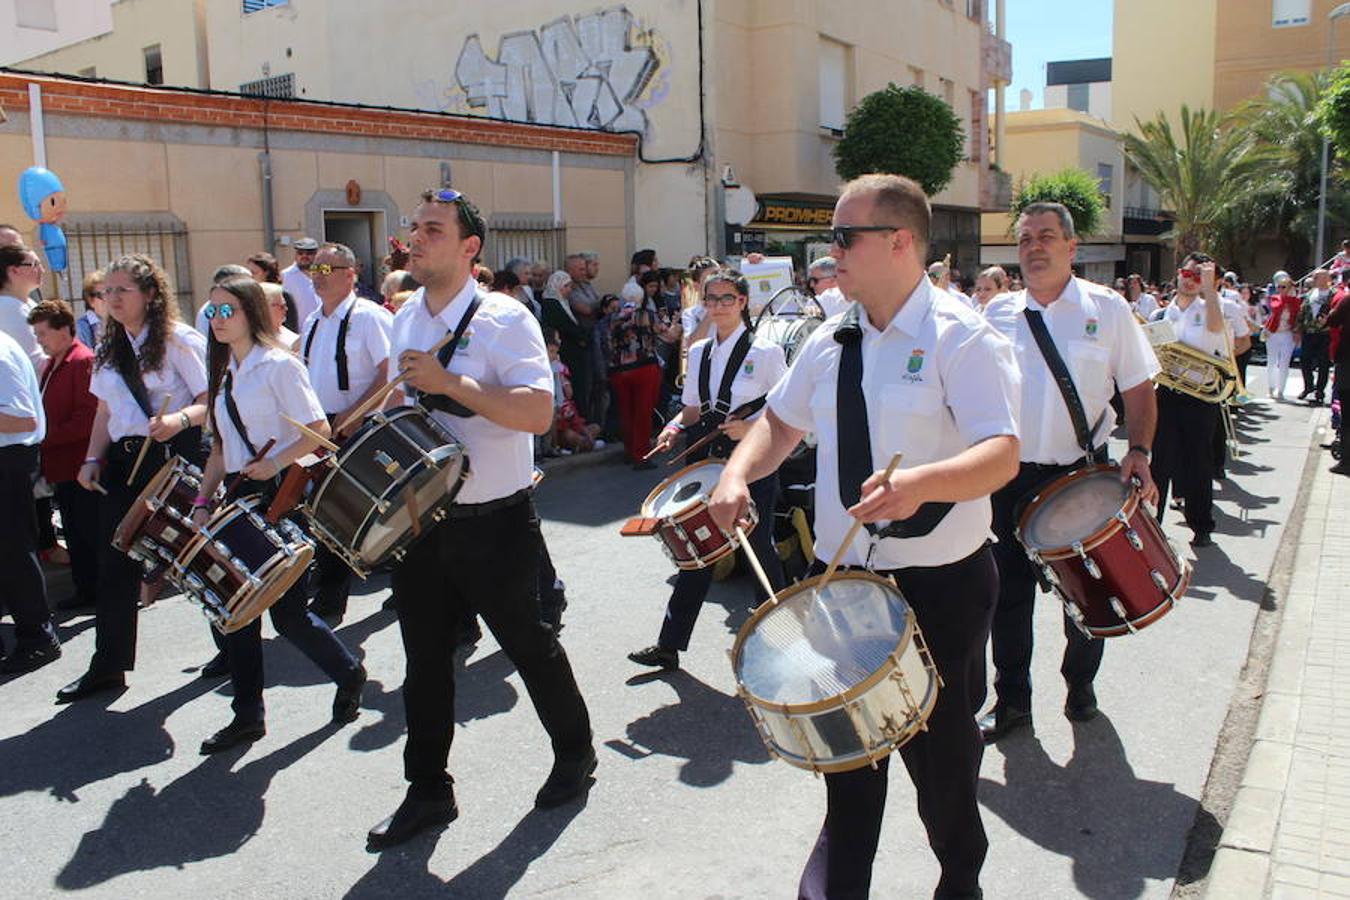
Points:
(599, 443)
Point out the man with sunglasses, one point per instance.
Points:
(1183, 457)
(295, 278)
(907, 369)
(823, 280)
(345, 345)
(1091, 339)
(492, 387)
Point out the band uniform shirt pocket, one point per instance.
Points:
(911, 423)
(1090, 365)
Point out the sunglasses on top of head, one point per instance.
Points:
(845, 235)
(224, 310)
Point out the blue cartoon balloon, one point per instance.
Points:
(44, 199)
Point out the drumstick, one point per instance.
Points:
(754, 561)
(734, 416)
(239, 476)
(852, 533)
(98, 487)
(382, 393)
(312, 434)
(136, 467)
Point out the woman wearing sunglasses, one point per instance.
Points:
(255, 386)
(730, 371)
(150, 381)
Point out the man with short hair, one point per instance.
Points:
(345, 345)
(1315, 356)
(951, 412)
(583, 299)
(539, 272)
(10, 236)
(295, 278)
(1090, 331)
(643, 262)
(822, 278)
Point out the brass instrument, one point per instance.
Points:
(1195, 373)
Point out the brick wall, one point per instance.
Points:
(158, 105)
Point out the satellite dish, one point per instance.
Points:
(741, 205)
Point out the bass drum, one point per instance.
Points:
(788, 332)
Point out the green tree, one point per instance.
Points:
(905, 131)
(1200, 173)
(1076, 189)
(1333, 111)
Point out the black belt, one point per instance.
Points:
(129, 446)
(473, 510)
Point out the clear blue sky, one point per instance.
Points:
(1042, 31)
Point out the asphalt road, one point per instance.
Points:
(111, 799)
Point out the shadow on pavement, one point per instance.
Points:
(86, 742)
(403, 872)
(208, 813)
(709, 729)
(1214, 571)
(1093, 810)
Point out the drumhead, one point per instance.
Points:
(788, 332)
(1076, 511)
(816, 645)
(685, 489)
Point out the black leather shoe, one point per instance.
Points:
(232, 735)
(1081, 704)
(217, 667)
(28, 658)
(569, 778)
(1001, 721)
(347, 703)
(412, 817)
(1202, 539)
(656, 655)
(89, 684)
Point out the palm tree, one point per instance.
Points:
(1200, 175)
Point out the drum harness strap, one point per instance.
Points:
(445, 354)
(1036, 321)
(855, 440)
(341, 356)
(270, 486)
(714, 412)
(180, 443)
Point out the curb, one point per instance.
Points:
(1241, 864)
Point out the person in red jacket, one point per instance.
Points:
(1339, 319)
(70, 409)
(1281, 335)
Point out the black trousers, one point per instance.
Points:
(334, 581)
(486, 565)
(79, 521)
(1013, 630)
(953, 605)
(1183, 456)
(691, 586)
(1343, 394)
(119, 576)
(25, 588)
(1315, 361)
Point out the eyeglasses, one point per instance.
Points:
(844, 235)
(224, 310)
(816, 279)
(29, 264)
(96, 293)
(720, 299)
(325, 269)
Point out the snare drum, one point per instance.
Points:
(239, 565)
(676, 511)
(835, 679)
(387, 485)
(788, 332)
(158, 526)
(1097, 544)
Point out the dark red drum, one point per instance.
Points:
(1093, 539)
(158, 526)
(676, 511)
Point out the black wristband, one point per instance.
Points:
(1136, 448)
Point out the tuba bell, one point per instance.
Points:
(1195, 373)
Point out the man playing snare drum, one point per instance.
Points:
(1092, 332)
(907, 369)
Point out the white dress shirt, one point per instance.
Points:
(181, 377)
(937, 380)
(20, 394)
(301, 288)
(691, 317)
(832, 301)
(1234, 313)
(1146, 305)
(1190, 328)
(764, 364)
(502, 345)
(270, 383)
(1100, 342)
(367, 346)
(14, 322)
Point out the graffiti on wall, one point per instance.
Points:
(602, 70)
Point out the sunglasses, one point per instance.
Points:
(224, 310)
(325, 269)
(720, 299)
(98, 293)
(29, 264)
(844, 235)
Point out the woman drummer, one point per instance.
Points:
(150, 381)
(255, 386)
(730, 372)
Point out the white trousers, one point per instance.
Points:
(1279, 348)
